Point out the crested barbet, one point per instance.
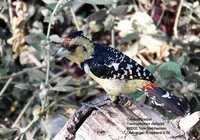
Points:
(116, 72)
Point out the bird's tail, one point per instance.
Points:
(170, 102)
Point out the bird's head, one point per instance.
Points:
(76, 47)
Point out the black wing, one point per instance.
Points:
(109, 63)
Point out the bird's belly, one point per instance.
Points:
(116, 86)
(113, 86)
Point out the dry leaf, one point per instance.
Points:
(19, 16)
(164, 51)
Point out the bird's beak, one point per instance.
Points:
(61, 53)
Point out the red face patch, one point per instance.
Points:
(66, 42)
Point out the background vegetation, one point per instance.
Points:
(39, 93)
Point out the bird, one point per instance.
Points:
(116, 72)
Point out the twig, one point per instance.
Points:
(95, 7)
(58, 74)
(19, 73)
(47, 64)
(177, 17)
(4, 7)
(23, 111)
(113, 32)
(5, 86)
(10, 13)
(75, 19)
(48, 55)
(53, 13)
(11, 83)
(23, 130)
(141, 8)
(151, 4)
(161, 16)
(146, 63)
(48, 30)
(48, 46)
(113, 37)
(34, 60)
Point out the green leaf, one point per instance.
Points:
(46, 12)
(37, 47)
(195, 77)
(3, 70)
(130, 37)
(6, 133)
(34, 40)
(4, 66)
(35, 74)
(50, 19)
(64, 81)
(119, 10)
(52, 5)
(49, 1)
(22, 86)
(63, 88)
(151, 68)
(136, 94)
(109, 23)
(170, 69)
(97, 16)
(100, 2)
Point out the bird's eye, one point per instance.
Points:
(72, 48)
(84, 49)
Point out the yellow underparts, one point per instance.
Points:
(114, 87)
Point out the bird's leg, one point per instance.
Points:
(113, 98)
